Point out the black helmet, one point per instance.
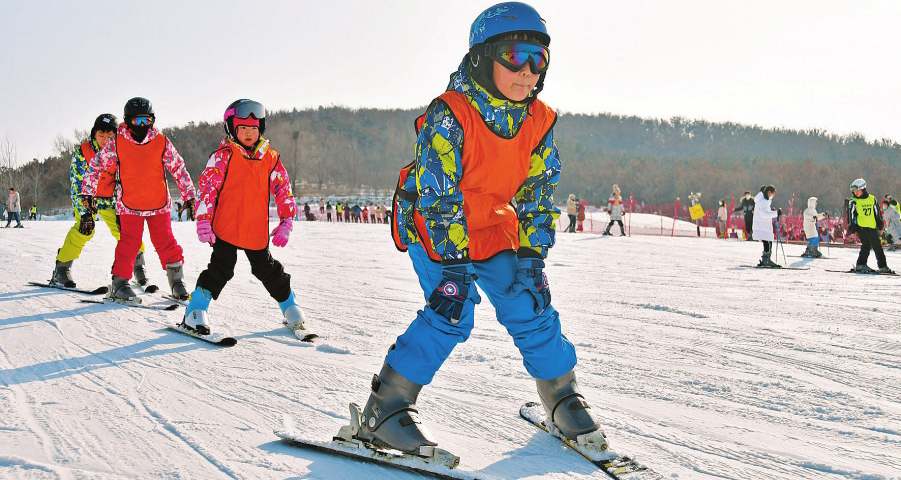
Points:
(105, 123)
(138, 106)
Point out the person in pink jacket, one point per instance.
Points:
(141, 155)
(233, 214)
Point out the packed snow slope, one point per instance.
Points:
(696, 366)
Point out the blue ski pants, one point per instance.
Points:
(419, 352)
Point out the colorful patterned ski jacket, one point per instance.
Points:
(213, 176)
(106, 157)
(438, 171)
(76, 177)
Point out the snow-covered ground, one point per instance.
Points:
(700, 368)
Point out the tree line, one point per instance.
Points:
(340, 151)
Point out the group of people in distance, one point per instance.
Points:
(864, 218)
(484, 141)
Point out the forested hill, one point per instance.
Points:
(339, 151)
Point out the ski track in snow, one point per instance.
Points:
(700, 369)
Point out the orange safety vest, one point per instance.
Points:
(141, 173)
(106, 184)
(241, 216)
(494, 169)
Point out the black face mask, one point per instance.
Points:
(139, 133)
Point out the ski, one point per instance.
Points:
(874, 273)
(301, 335)
(814, 258)
(775, 268)
(619, 467)
(96, 291)
(215, 338)
(145, 288)
(152, 306)
(388, 458)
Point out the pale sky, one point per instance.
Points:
(824, 64)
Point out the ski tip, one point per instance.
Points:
(228, 342)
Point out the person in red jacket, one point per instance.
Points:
(233, 214)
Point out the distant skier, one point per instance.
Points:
(13, 207)
(484, 145)
(811, 217)
(865, 220)
(747, 207)
(892, 221)
(104, 203)
(141, 155)
(233, 214)
(616, 214)
(763, 224)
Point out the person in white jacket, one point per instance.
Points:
(892, 221)
(763, 224)
(811, 217)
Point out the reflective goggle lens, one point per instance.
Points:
(516, 54)
(246, 109)
(142, 121)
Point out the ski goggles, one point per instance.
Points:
(515, 54)
(246, 109)
(142, 120)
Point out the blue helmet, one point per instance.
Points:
(507, 17)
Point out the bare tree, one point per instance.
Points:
(8, 161)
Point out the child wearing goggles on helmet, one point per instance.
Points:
(865, 220)
(483, 146)
(233, 214)
(141, 155)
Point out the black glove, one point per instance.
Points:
(530, 277)
(778, 212)
(86, 225)
(447, 300)
(88, 202)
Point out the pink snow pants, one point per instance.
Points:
(132, 231)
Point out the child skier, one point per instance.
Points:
(616, 214)
(140, 154)
(484, 145)
(233, 214)
(104, 202)
(811, 217)
(763, 224)
(892, 221)
(865, 220)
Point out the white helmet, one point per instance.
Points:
(858, 184)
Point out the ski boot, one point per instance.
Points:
(766, 262)
(140, 275)
(808, 253)
(120, 291)
(292, 313)
(885, 270)
(815, 249)
(62, 274)
(390, 418)
(177, 280)
(196, 318)
(568, 414)
(863, 268)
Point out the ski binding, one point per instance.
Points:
(618, 467)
